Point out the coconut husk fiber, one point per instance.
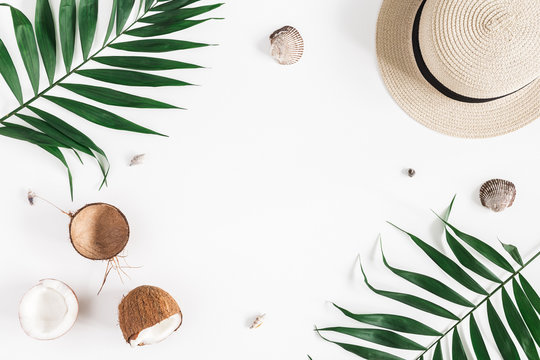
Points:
(144, 307)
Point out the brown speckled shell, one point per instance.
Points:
(99, 231)
(286, 45)
(497, 194)
(143, 307)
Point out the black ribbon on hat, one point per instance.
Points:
(430, 77)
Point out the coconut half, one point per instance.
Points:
(48, 310)
(99, 231)
(148, 315)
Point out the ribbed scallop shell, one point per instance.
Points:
(286, 45)
(497, 194)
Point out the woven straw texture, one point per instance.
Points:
(143, 307)
(477, 66)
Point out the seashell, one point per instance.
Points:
(137, 160)
(258, 321)
(286, 45)
(497, 194)
(31, 197)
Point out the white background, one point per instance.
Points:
(262, 197)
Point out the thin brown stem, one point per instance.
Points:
(53, 205)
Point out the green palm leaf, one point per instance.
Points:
(527, 311)
(98, 115)
(531, 294)
(479, 346)
(378, 336)
(130, 78)
(46, 37)
(366, 353)
(500, 334)
(466, 259)
(26, 41)
(117, 98)
(173, 5)
(111, 21)
(458, 352)
(49, 131)
(178, 14)
(68, 29)
(9, 73)
(518, 327)
(430, 284)
(513, 251)
(156, 45)
(437, 354)
(447, 265)
(412, 300)
(392, 322)
(521, 315)
(144, 63)
(124, 8)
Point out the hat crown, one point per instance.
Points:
(481, 48)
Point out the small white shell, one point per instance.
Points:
(31, 197)
(137, 160)
(258, 321)
(497, 194)
(286, 45)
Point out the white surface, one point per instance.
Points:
(261, 198)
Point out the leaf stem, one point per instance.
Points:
(72, 71)
(517, 272)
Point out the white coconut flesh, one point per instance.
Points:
(48, 310)
(158, 332)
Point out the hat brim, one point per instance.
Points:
(424, 103)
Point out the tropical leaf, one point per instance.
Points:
(144, 63)
(150, 19)
(130, 78)
(378, 336)
(531, 294)
(366, 353)
(392, 322)
(518, 327)
(114, 97)
(412, 300)
(9, 73)
(88, 15)
(156, 45)
(513, 251)
(521, 314)
(430, 284)
(67, 26)
(124, 8)
(26, 41)
(527, 311)
(458, 352)
(46, 37)
(111, 21)
(479, 346)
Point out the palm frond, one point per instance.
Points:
(152, 19)
(520, 312)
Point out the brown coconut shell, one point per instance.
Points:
(99, 231)
(144, 307)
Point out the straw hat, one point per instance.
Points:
(467, 68)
